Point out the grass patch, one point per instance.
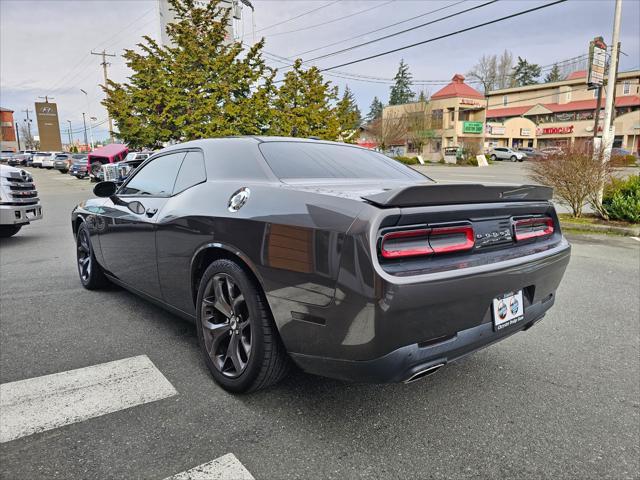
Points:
(590, 219)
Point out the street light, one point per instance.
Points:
(90, 117)
(70, 135)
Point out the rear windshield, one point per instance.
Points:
(291, 160)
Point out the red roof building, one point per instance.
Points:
(457, 88)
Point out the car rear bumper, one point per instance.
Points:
(409, 362)
(397, 329)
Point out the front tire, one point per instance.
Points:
(90, 273)
(513, 158)
(493, 158)
(236, 331)
(7, 231)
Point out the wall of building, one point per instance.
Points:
(7, 131)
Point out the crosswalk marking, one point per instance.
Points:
(51, 401)
(227, 467)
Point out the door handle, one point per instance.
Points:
(151, 212)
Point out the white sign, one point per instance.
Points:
(525, 132)
(496, 130)
(482, 161)
(597, 62)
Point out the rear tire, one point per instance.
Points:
(90, 273)
(236, 331)
(7, 231)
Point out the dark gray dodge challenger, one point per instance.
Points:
(337, 258)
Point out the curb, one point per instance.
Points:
(595, 228)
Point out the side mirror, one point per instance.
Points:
(105, 189)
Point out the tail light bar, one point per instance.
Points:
(528, 228)
(426, 241)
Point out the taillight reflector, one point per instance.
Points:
(425, 241)
(406, 243)
(527, 228)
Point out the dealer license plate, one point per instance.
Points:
(508, 309)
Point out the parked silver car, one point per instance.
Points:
(507, 153)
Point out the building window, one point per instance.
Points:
(504, 100)
(626, 88)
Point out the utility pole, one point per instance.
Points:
(104, 64)
(86, 142)
(607, 133)
(70, 135)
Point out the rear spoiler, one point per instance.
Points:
(451, 194)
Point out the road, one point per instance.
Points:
(559, 401)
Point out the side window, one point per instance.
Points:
(191, 173)
(156, 178)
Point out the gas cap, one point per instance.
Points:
(238, 199)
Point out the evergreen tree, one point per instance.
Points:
(401, 91)
(422, 98)
(198, 87)
(303, 105)
(349, 117)
(375, 110)
(553, 75)
(525, 73)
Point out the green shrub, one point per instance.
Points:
(407, 160)
(622, 199)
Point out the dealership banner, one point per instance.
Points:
(48, 126)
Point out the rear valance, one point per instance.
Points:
(452, 194)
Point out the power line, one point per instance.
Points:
(343, 17)
(440, 37)
(379, 29)
(375, 40)
(297, 16)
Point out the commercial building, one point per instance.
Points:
(548, 114)
(561, 113)
(8, 140)
(453, 116)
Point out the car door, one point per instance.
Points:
(127, 236)
(181, 230)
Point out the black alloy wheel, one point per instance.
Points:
(236, 331)
(227, 326)
(91, 275)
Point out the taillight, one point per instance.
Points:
(406, 243)
(451, 239)
(527, 228)
(426, 241)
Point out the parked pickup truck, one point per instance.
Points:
(19, 202)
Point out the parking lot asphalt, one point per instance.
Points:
(561, 400)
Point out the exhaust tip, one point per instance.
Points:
(424, 373)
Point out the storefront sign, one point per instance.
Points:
(468, 101)
(472, 127)
(496, 130)
(554, 130)
(525, 132)
(597, 62)
(48, 126)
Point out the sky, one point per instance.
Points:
(45, 45)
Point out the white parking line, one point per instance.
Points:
(51, 401)
(227, 467)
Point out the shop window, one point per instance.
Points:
(504, 100)
(584, 115)
(626, 87)
(436, 119)
(564, 116)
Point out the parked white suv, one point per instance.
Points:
(43, 160)
(507, 153)
(48, 161)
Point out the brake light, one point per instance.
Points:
(406, 243)
(527, 228)
(451, 239)
(427, 241)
